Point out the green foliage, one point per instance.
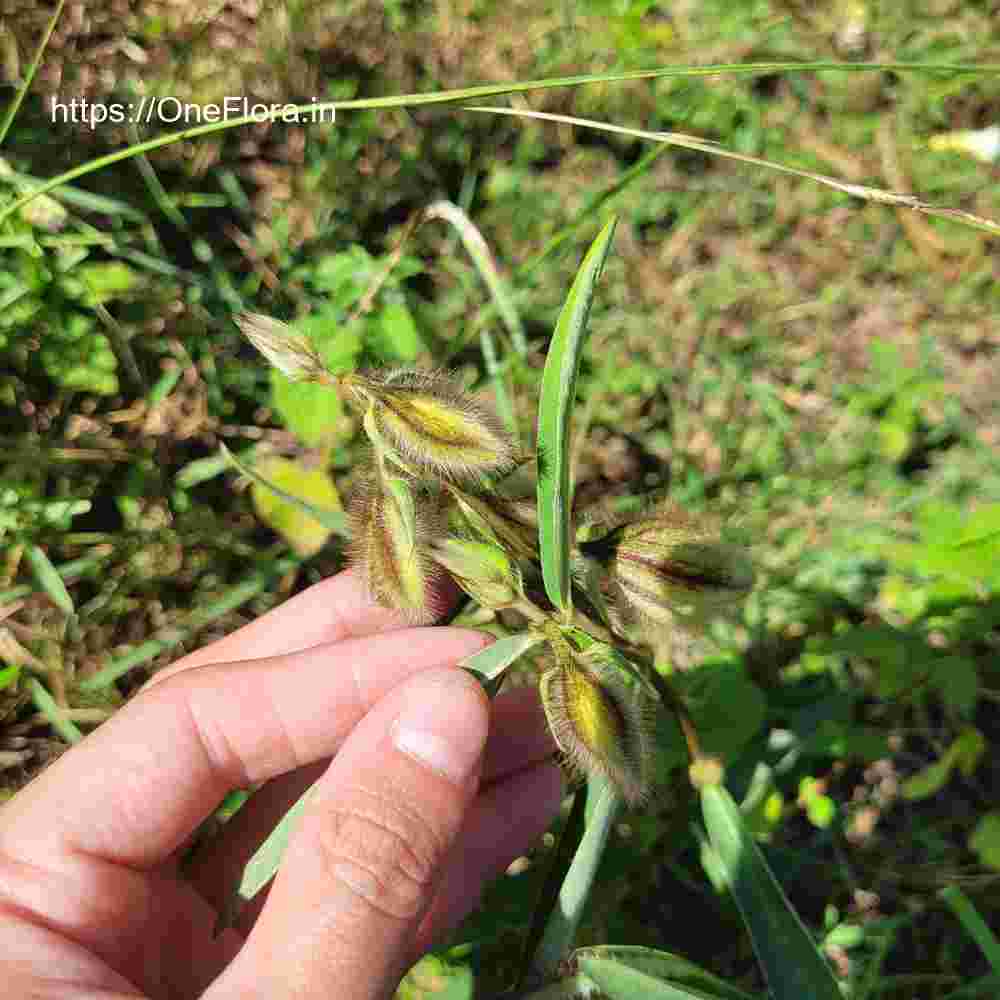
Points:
(822, 372)
(557, 396)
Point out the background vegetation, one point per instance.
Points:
(820, 370)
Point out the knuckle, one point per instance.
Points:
(381, 853)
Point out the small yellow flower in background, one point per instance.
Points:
(983, 143)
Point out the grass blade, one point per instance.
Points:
(489, 90)
(792, 963)
(478, 249)
(332, 520)
(973, 923)
(60, 722)
(76, 567)
(495, 370)
(149, 650)
(558, 393)
(49, 579)
(263, 865)
(878, 195)
(15, 104)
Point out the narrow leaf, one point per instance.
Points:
(54, 714)
(558, 394)
(792, 963)
(975, 926)
(664, 966)
(479, 251)
(563, 922)
(15, 104)
(883, 197)
(263, 865)
(489, 663)
(621, 982)
(49, 579)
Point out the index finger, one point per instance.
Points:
(336, 608)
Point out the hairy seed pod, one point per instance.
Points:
(484, 571)
(291, 353)
(511, 523)
(391, 534)
(599, 723)
(670, 566)
(434, 426)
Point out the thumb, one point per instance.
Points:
(364, 863)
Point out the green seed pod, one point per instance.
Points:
(599, 723)
(484, 571)
(434, 426)
(391, 534)
(291, 353)
(511, 523)
(669, 566)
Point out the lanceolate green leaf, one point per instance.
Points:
(494, 660)
(264, 864)
(556, 402)
(621, 982)
(787, 953)
(564, 920)
(661, 965)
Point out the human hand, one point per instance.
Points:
(431, 792)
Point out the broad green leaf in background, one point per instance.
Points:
(314, 413)
(9, 675)
(985, 839)
(303, 532)
(395, 337)
(792, 963)
(982, 526)
(727, 708)
(558, 393)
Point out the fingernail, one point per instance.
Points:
(443, 724)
